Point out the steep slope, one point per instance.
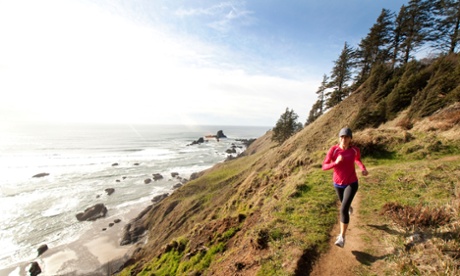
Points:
(270, 212)
(230, 210)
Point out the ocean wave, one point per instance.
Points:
(42, 210)
(60, 207)
(132, 150)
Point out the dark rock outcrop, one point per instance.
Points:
(135, 230)
(109, 191)
(246, 142)
(147, 181)
(42, 249)
(197, 142)
(220, 134)
(174, 174)
(231, 150)
(114, 164)
(92, 213)
(40, 175)
(158, 198)
(157, 176)
(195, 175)
(177, 186)
(34, 269)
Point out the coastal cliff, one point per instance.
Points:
(271, 210)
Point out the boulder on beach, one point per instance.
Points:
(34, 269)
(92, 213)
(41, 175)
(42, 249)
(109, 191)
(177, 186)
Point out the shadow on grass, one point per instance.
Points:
(385, 228)
(367, 259)
(305, 263)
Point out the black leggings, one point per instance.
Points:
(346, 196)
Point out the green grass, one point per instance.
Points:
(177, 262)
(304, 220)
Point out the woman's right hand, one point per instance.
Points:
(338, 159)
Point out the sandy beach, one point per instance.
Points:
(96, 252)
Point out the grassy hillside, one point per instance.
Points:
(270, 212)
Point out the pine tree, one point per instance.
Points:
(318, 107)
(375, 47)
(321, 93)
(286, 126)
(397, 36)
(315, 112)
(340, 76)
(445, 34)
(417, 22)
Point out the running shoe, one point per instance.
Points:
(340, 242)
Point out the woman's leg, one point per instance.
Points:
(346, 196)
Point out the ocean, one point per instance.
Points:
(81, 162)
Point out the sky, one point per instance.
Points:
(205, 62)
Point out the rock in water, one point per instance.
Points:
(157, 176)
(41, 175)
(220, 134)
(109, 191)
(92, 213)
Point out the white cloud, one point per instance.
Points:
(222, 17)
(74, 62)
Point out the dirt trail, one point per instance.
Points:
(345, 261)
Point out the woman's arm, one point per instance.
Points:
(359, 162)
(328, 163)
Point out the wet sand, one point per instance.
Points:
(96, 252)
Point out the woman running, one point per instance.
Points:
(342, 159)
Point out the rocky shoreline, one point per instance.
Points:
(102, 252)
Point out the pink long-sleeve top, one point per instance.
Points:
(344, 172)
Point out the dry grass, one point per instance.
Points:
(424, 237)
(419, 216)
(443, 120)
